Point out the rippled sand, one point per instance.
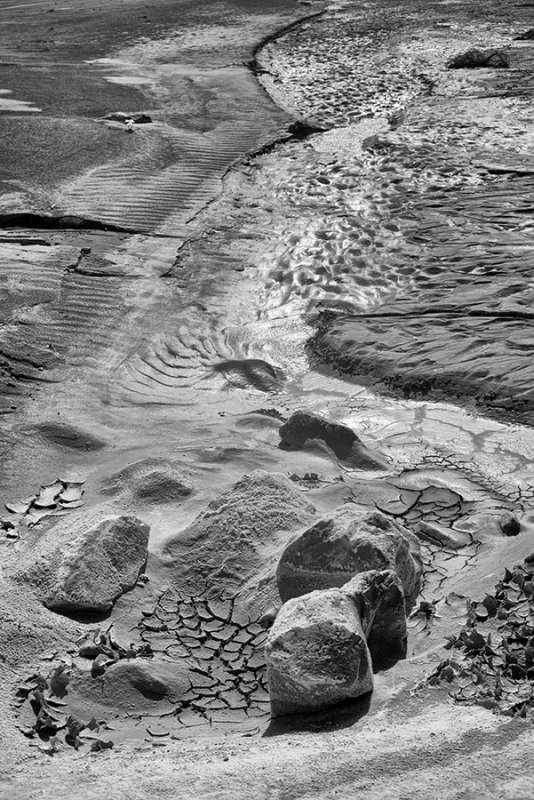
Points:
(377, 272)
(443, 303)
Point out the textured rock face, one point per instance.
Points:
(379, 599)
(237, 532)
(316, 654)
(350, 541)
(303, 427)
(89, 570)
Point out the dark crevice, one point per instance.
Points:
(26, 241)
(325, 321)
(254, 64)
(65, 222)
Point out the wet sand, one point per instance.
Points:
(182, 346)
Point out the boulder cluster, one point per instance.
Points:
(348, 582)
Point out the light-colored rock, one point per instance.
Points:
(316, 654)
(88, 567)
(379, 599)
(303, 427)
(349, 541)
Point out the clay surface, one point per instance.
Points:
(213, 217)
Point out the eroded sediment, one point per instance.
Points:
(153, 372)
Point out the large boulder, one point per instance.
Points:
(349, 541)
(239, 534)
(379, 599)
(303, 428)
(316, 654)
(88, 568)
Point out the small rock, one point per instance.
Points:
(100, 664)
(267, 619)
(317, 654)
(304, 427)
(99, 744)
(158, 730)
(476, 59)
(438, 534)
(121, 116)
(483, 525)
(509, 524)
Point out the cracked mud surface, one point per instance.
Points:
(159, 294)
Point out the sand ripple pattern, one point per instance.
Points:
(448, 310)
(175, 174)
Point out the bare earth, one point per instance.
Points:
(170, 296)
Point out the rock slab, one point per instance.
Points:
(88, 569)
(350, 541)
(317, 654)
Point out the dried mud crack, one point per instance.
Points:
(368, 230)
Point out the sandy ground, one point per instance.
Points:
(183, 336)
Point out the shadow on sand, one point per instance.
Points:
(343, 715)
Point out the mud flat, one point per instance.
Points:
(184, 289)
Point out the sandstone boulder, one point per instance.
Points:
(379, 599)
(88, 568)
(304, 427)
(316, 654)
(349, 541)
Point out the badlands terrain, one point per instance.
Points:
(214, 215)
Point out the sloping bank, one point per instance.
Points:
(451, 176)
